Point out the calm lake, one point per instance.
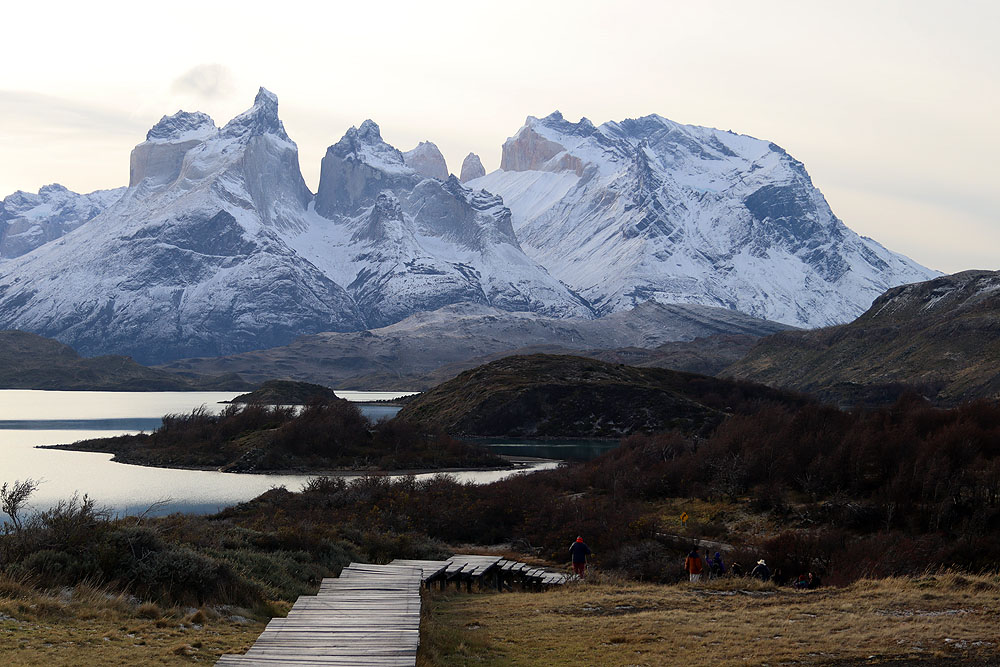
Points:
(29, 418)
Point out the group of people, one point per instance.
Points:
(711, 568)
(714, 567)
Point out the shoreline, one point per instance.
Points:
(518, 463)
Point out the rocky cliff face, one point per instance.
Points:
(648, 209)
(472, 167)
(160, 157)
(427, 161)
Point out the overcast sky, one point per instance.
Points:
(893, 106)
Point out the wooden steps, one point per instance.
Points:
(370, 614)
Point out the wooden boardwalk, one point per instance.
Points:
(370, 614)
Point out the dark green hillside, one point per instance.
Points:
(29, 361)
(564, 396)
(940, 337)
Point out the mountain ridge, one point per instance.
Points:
(218, 246)
(938, 337)
(682, 213)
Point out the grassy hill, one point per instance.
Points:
(565, 396)
(940, 337)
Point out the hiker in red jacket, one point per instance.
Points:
(579, 552)
(693, 565)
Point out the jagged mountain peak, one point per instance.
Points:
(365, 144)
(261, 118)
(29, 221)
(426, 159)
(556, 121)
(369, 132)
(472, 167)
(182, 126)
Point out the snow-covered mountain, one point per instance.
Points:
(28, 220)
(648, 209)
(402, 242)
(216, 246)
(190, 260)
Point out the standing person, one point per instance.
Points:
(762, 571)
(693, 565)
(579, 552)
(718, 567)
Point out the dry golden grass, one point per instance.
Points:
(87, 626)
(938, 619)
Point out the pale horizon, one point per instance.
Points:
(891, 108)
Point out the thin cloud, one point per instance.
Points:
(209, 81)
(25, 111)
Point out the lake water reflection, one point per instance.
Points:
(31, 418)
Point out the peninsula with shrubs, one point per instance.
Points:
(322, 437)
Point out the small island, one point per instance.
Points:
(287, 392)
(323, 437)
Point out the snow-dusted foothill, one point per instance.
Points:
(648, 209)
(28, 220)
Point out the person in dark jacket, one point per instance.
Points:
(762, 571)
(578, 552)
(718, 567)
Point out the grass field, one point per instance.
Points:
(942, 619)
(86, 626)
